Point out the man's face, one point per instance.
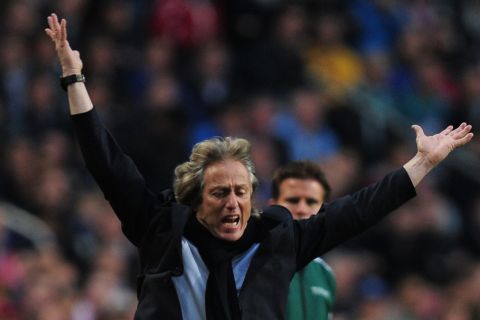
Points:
(226, 200)
(302, 197)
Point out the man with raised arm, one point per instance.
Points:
(204, 252)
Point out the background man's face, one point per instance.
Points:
(226, 200)
(303, 197)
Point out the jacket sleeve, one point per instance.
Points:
(116, 175)
(348, 216)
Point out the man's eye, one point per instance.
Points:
(312, 202)
(293, 200)
(219, 194)
(241, 192)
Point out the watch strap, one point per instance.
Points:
(68, 80)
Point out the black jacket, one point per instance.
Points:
(155, 224)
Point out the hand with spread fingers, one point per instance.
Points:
(435, 148)
(78, 99)
(69, 59)
(431, 150)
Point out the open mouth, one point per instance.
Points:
(231, 221)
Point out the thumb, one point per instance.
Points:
(418, 130)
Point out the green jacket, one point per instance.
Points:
(312, 292)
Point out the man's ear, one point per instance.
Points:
(271, 202)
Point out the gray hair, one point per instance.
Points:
(188, 182)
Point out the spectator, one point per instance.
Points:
(302, 188)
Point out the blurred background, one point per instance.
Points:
(336, 82)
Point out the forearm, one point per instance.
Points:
(78, 99)
(346, 217)
(417, 168)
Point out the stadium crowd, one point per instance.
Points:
(336, 82)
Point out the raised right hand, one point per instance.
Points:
(69, 59)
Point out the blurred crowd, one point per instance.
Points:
(336, 82)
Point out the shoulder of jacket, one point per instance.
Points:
(278, 213)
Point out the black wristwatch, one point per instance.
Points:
(68, 80)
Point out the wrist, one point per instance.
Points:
(69, 72)
(418, 167)
(66, 81)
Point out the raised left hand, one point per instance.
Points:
(436, 147)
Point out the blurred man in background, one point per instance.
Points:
(301, 187)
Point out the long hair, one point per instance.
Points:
(188, 182)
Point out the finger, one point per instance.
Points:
(56, 24)
(459, 128)
(50, 22)
(63, 31)
(49, 32)
(463, 140)
(463, 132)
(418, 130)
(52, 19)
(447, 130)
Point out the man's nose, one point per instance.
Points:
(302, 209)
(232, 202)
